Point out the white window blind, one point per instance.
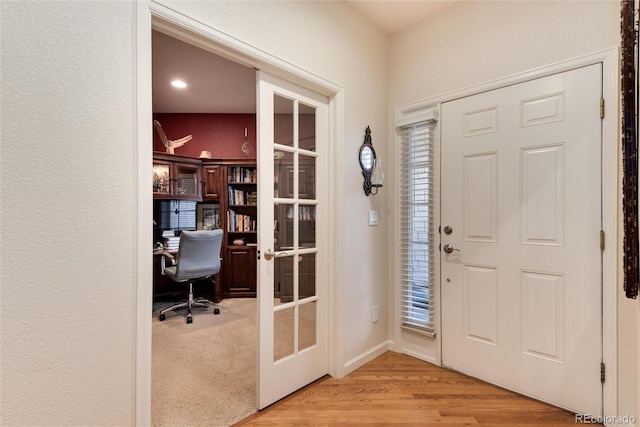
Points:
(417, 246)
(177, 215)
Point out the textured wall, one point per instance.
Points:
(68, 209)
(472, 43)
(69, 190)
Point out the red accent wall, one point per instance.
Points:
(221, 134)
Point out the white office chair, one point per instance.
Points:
(198, 258)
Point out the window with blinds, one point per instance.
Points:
(417, 245)
(175, 214)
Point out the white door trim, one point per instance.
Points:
(153, 15)
(610, 190)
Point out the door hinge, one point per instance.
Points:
(602, 373)
(602, 240)
(602, 108)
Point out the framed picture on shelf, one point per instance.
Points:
(208, 216)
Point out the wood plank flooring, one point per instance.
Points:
(402, 390)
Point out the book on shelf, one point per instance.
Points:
(241, 197)
(237, 222)
(242, 174)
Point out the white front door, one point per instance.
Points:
(521, 260)
(292, 240)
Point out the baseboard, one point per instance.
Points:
(431, 360)
(366, 357)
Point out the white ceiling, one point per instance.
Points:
(395, 15)
(217, 85)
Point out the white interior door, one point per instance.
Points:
(292, 240)
(521, 192)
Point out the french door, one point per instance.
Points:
(292, 241)
(521, 262)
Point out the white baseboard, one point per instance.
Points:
(431, 360)
(366, 357)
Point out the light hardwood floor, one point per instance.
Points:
(402, 390)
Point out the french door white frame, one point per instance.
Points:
(610, 201)
(151, 15)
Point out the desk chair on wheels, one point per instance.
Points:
(198, 258)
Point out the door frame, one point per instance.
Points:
(611, 184)
(151, 15)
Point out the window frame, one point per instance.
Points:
(425, 120)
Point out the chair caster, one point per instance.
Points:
(216, 310)
(189, 319)
(162, 317)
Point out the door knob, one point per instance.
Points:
(269, 254)
(449, 249)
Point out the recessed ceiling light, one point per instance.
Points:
(179, 84)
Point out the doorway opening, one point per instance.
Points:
(151, 17)
(205, 372)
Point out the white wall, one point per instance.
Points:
(473, 43)
(331, 40)
(68, 190)
(68, 210)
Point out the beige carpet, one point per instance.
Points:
(204, 374)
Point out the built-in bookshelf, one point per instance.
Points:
(242, 203)
(242, 228)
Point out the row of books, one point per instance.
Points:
(240, 222)
(240, 197)
(241, 174)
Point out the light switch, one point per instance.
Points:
(373, 217)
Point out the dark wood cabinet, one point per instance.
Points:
(212, 181)
(241, 224)
(240, 272)
(230, 186)
(176, 177)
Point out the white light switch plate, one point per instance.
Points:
(373, 217)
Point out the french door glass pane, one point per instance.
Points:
(307, 275)
(283, 226)
(307, 126)
(294, 185)
(283, 121)
(283, 333)
(307, 175)
(282, 174)
(283, 280)
(307, 325)
(307, 226)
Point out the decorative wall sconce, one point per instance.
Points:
(371, 166)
